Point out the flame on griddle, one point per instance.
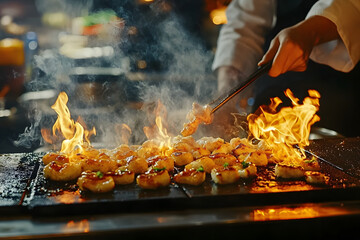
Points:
(289, 127)
(75, 133)
(158, 131)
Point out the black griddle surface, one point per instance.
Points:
(44, 197)
(15, 177)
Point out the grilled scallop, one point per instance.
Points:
(190, 177)
(122, 176)
(242, 149)
(153, 179)
(200, 152)
(311, 165)
(182, 158)
(95, 182)
(259, 158)
(136, 164)
(210, 143)
(287, 171)
(161, 162)
(205, 162)
(224, 148)
(314, 177)
(62, 172)
(223, 158)
(56, 157)
(102, 163)
(225, 174)
(247, 170)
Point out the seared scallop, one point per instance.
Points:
(205, 162)
(95, 182)
(225, 174)
(153, 179)
(62, 172)
(289, 171)
(190, 177)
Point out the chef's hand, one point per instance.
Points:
(291, 48)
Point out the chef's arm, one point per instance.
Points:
(329, 35)
(240, 42)
(291, 48)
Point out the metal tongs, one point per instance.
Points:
(226, 97)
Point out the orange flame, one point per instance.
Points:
(284, 129)
(73, 132)
(159, 131)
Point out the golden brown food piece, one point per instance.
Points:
(224, 148)
(136, 164)
(62, 172)
(122, 176)
(121, 153)
(95, 182)
(182, 158)
(242, 149)
(160, 162)
(200, 152)
(191, 177)
(223, 158)
(314, 177)
(225, 174)
(287, 171)
(311, 165)
(153, 179)
(210, 143)
(56, 157)
(246, 170)
(205, 162)
(196, 116)
(102, 164)
(259, 158)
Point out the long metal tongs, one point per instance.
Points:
(225, 98)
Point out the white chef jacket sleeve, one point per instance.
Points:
(241, 40)
(342, 54)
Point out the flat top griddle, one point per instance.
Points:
(26, 187)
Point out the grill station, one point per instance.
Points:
(51, 209)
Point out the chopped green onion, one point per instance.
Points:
(245, 164)
(156, 169)
(200, 169)
(99, 174)
(226, 165)
(310, 161)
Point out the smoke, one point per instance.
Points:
(180, 76)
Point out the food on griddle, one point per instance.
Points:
(62, 172)
(210, 143)
(225, 174)
(154, 178)
(182, 158)
(95, 182)
(289, 171)
(191, 176)
(194, 160)
(247, 170)
(136, 164)
(314, 177)
(160, 162)
(102, 163)
(259, 158)
(122, 176)
(197, 115)
(205, 162)
(311, 165)
(223, 158)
